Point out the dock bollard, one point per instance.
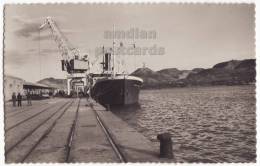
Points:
(165, 145)
(108, 107)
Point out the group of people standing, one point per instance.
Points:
(18, 98)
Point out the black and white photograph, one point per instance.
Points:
(129, 83)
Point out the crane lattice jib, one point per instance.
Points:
(67, 50)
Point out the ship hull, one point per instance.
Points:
(117, 91)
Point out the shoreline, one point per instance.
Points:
(195, 86)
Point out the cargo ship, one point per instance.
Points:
(118, 90)
(110, 88)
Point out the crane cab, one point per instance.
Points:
(75, 66)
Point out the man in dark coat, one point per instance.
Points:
(14, 99)
(19, 99)
(29, 98)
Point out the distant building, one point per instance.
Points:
(37, 89)
(17, 85)
(12, 85)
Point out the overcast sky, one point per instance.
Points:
(192, 35)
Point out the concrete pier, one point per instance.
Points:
(72, 130)
(134, 146)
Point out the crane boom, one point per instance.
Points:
(71, 59)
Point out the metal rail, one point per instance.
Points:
(110, 139)
(22, 121)
(69, 144)
(12, 114)
(33, 130)
(44, 135)
(71, 135)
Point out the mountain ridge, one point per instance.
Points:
(233, 72)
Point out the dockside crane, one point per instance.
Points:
(76, 65)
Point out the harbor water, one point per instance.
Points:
(208, 124)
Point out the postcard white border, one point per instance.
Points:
(2, 162)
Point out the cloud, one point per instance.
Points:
(31, 50)
(27, 31)
(17, 58)
(42, 37)
(42, 51)
(49, 51)
(66, 32)
(28, 28)
(14, 57)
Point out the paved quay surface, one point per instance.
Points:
(71, 130)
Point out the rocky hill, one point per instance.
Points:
(152, 78)
(232, 72)
(163, 78)
(226, 73)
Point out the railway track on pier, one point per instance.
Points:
(20, 111)
(15, 146)
(63, 136)
(96, 127)
(45, 133)
(28, 118)
(71, 135)
(109, 137)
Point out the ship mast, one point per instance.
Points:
(113, 70)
